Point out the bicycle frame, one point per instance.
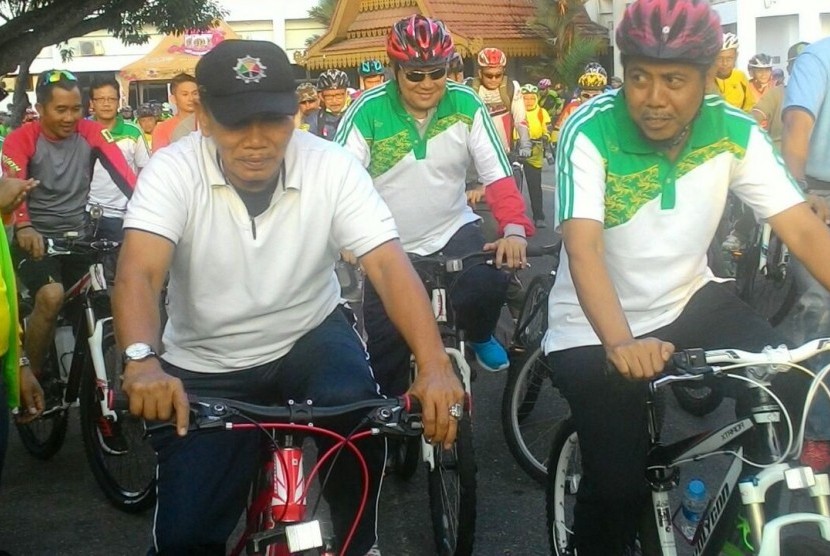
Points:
(663, 476)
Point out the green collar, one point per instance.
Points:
(707, 128)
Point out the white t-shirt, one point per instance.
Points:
(102, 190)
(243, 290)
(659, 218)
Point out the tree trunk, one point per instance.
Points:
(20, 101)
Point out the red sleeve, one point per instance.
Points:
(18, 150)
(107, 151)
(508, 205)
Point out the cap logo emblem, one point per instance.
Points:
(249, 70)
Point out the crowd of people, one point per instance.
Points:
(242, 201)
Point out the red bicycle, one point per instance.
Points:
(278, 520)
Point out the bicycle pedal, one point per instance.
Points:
(303, 536)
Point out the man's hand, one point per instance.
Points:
(155, 395)
(524, 153)
(13, 192)
(31, 241)
(475, 196)
(640, 359)
(510, 250)
(31, 396)
(437, 388)
(820, 207)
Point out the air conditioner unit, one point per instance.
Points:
(90, 48)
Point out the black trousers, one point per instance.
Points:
(477, 297)
(533, 176)
(609, 413)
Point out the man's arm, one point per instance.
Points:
(638, 359)
(105, 149)
(807, 237)
(409, 309)
(795, 142)
(142, 267)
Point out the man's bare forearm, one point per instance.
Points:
(135, 306)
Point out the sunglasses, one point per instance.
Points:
(307, 101)
(53, 76)
(418, 76)
(493, 75)
(589, 95)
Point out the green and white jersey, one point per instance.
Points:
(421, 174)
(102, 190)
(659, 217)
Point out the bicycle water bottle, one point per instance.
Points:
(288, 485)
(692, 508)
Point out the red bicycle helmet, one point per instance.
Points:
(491, 58)
(418, 41)
(683, 30)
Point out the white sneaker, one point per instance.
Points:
(374, 551)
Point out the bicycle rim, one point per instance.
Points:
(533, 317)
(127, 478)
(532, 409)
(44, 436)
(562, 487)
(452, 494)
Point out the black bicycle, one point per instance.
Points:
(531, 406)
(762, 451)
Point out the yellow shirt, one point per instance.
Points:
(736, 91)
(538, 123)
(5, 320)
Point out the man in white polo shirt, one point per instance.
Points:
(249, 218)
(642, 175)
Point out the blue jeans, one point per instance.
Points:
(204, 478)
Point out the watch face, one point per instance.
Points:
(138, 351)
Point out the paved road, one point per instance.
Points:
(55, 507)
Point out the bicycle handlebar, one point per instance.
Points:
(78, 245)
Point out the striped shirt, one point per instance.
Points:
(659, 216)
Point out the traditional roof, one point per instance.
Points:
(359, 28)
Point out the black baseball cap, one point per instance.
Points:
(239, 79)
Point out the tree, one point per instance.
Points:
(321, 13)
(566, 50)
(31, 25)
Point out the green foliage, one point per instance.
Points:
(566, 51)
(323, 11)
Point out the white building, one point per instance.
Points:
(284, 22)
(768, 26)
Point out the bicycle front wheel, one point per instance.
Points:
(531, 411)
(452, 494)
(120, 456)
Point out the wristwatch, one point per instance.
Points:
(138, 352)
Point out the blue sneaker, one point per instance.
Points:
(491, 355)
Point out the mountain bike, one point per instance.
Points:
(760, 465)
(83, 367)
(451, 473)
(279, 520)
(531, 406)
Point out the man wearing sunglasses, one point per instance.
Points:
(417, 135)
(309, 102)
(59, 151)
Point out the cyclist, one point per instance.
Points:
(103, 97)
(549, 98)
(539, 126)
(126, 112)
(456, 68)
(806, 149)
(760, 72)
(503, 99)
(591, 83)
(417, 135)
(185, 94)
(147, 119)
(59, 151)
(248, 217)
(370, 72)
(18, 386)
(731, 82)
(643, 174)
(333, 85)
(309, 101)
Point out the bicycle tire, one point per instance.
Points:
(44, 437)
(452, 494)
(530, 412)
(771, 293)
(698, 399)
(126, 479)
(533, 316)
(562, 486)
